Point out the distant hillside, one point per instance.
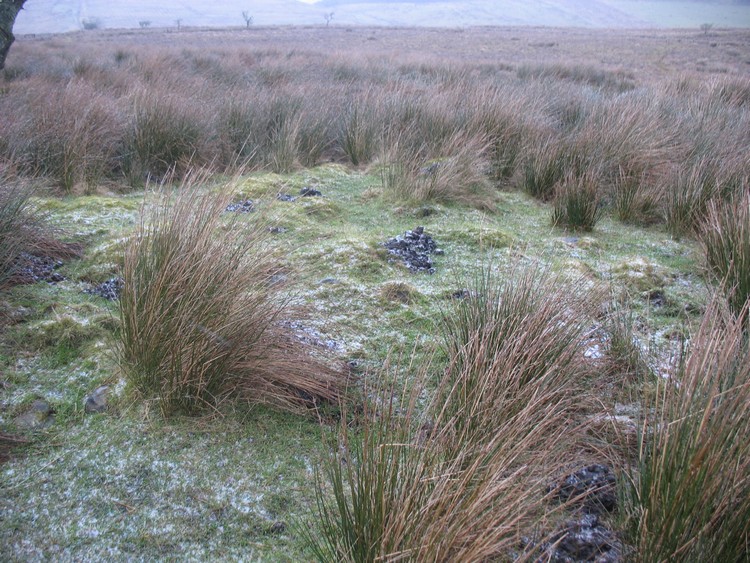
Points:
(55, 16)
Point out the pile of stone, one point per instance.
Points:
(30, 268)
(245, 206)
(109, 289)
(414, 248)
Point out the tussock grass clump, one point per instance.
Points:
(201, 315)
(164, 137)
(74, 136)
(463, 479)
(688, 196)
(725, 238)
(576, 203)
(452, 171)
(689, 498)
(544, 166)
(400, 490)
(634, 200)
(516, 339)
(16, 226)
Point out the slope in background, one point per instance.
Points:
(55, 16)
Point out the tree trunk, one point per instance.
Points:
(8, 11)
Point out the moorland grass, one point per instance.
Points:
(658, 149)
(687, 497)
(725, 238)
(201, 312)
(463, 478)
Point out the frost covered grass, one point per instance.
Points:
(145, 501)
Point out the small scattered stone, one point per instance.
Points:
(97, 401)
(414, 249)
(276, 230)
(585, 539)
(285, 197)
(109, 289)
(245, 206)
(462, 293)
(329, 281)
(30, 268)
(277, 528)
(657, 298)
(430, 169)
(310, 192)
(39, 415)
(594, 486)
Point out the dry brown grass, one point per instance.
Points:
(497, 107)
(689, 499)
(201, 312)
(463, 479)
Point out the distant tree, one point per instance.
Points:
(706, 27)
(144, 23)
(328, 17)
(90, 23)
(248, 19)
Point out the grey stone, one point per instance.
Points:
(39, 415)
(97, 401)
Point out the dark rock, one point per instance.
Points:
(593, 486)
(246, 206)
(109, 289)
(39, 415)
(285, 197)
(585, 539)
(414, 249)
(97, 401)
(329, 281)
(461, 294)
(657, 298)
(276, 230)
(30, 268)
(310, 192)
(277, 528)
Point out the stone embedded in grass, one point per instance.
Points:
(592, 486)
(310, 192)
(30, 268)
(285, 197)
(585, 539)
(245, 206)
(414, 249)
(39, 415)
(109, 289)
(97, 401)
